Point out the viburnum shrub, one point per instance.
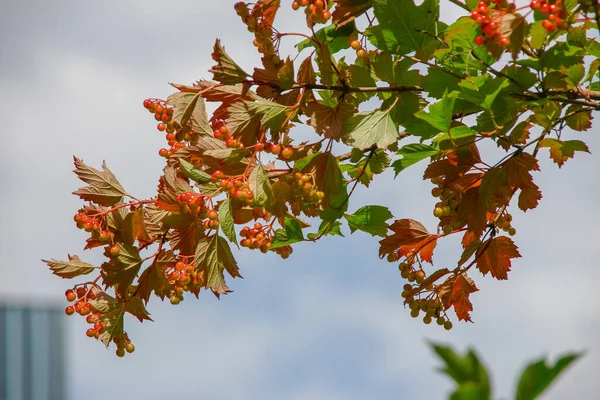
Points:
(411, 88)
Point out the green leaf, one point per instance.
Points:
(194, 173)
(333, 228)
(467, 371)
(69, 269)
(440, 113)
(412, 154)
(226, 220)
(437, 82)
(366, 129)
(336, 37)
(290, 234)
(226, 71)
(457, 133)
(537, 34)
(259, 183)
(368, 166)
(213, 256)
(370, 219)
(103, 187)
(404, 27)
(482, 90)
(272, 114)
(189, 108)
(538, 376)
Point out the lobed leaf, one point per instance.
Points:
(103, 187)
(70, 269)
(370, 219)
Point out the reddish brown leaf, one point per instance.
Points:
(409, 236)
(327, 175)
(186, 239)
(496, 256)
(530, 197)
(466, 182)
(348, 10)
(461, 289)
(473, 211)
(226, 71)
(445, 168)
(561, 151)
(154, 279)
(103, 187)
(328, 120)
(306, 72)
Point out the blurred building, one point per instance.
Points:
(32, 352)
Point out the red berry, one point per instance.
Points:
(70, 295)
(326, 15)
(114, 250)
(480, 40)
(295, 5)
(212, 215)
(129, 347)
(474, 14)
(275, 149)
(217, 175)
(287, 153)
(80, 292)
(163, 152)
(90, 332)
(69, 310)
(504, 41)
(259, 146)
(535, 4)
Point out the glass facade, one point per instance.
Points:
(32, 359)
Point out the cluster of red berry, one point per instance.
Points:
(123, 344)
(81, 305)
(317, 10)
(554, 14)
(236, 187)
(98, 325)
(430, 304)
(93, 226)
(489, 20)
(195, 204)
(221, 132)
(184, 278)
(357, 46)
(163, 113)
(257, 237)
(304, 195)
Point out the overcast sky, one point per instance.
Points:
(328, 323)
